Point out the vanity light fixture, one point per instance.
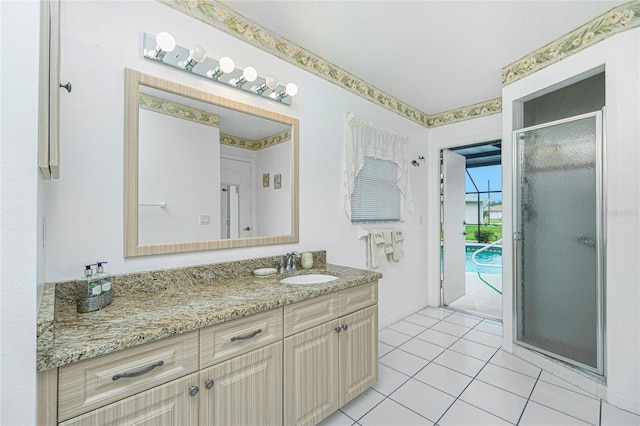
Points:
(196, 55)
(226, 65)
(224, 71)
(270, 82)
(248, 75)
(165, 43)
(291, 89)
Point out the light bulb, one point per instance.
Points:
(165, 42)
(226, 64)
(250, 74)
(198, 53)
(291, 89)
(271, 82)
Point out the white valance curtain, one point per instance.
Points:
(364, 139)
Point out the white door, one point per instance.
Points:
(453, 226)
(238, 173)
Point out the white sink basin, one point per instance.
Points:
(308, 279)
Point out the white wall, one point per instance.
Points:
(19, 203)
(451, 136)
(621, 59)
(179, 164)
(98, 41)
(274, 205)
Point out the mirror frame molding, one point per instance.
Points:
(132, 248)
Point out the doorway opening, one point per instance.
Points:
(471, 229)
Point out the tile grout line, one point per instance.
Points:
(600, 414)
(458, 338)
(413, 376)
(463, 390)
(529, 398)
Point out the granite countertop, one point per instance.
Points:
(134, 318)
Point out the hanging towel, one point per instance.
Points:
(388, 241)
(398, 249)
(378, 237)
(375, 251)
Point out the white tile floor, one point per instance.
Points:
(445, 368)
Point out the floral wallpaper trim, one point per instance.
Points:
(177, 110)
(231, 22)
(616, 20)
(257, 144)
(481, 109)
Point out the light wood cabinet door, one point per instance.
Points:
(358, 353)
(168, 404)
(311, 375)
(246, 390)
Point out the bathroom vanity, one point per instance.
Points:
(209, 345)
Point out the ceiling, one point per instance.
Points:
(432, 55)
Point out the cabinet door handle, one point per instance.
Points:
(138, 373)
(193, 390)
(344, 327)
(208, 384)
(246, 336)
(338, 329)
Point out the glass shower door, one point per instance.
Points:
(559, 234)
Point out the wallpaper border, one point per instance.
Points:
(174, 109)
(255, 145)
(222, 17)
(619, 19)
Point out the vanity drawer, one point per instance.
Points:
(309, 313)
(356, 298)
(223, 341)
(99, 381)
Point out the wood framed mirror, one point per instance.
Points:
(194, 164)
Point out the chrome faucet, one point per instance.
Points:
(287, 262)
(281, 264)
(291, 261)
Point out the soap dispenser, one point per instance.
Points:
(92, 296)
(89, 286)
(105, 277)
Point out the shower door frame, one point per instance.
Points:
(600, 154)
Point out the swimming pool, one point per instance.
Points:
(492, 256)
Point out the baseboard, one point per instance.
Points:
(624, 402)
(385, 322)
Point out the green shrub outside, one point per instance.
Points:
(484, 236)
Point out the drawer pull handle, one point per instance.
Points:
(208, 384)
(138, 373)
(247, 336)
(344, 327)
(193, 390)
(338, 329)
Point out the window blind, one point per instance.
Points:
(376, 196)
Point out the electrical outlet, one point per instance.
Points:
(205, 219)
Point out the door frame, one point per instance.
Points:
(443, 137)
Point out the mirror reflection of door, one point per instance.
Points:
(236, 214)
(229, 209)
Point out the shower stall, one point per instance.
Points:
(559, 239)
